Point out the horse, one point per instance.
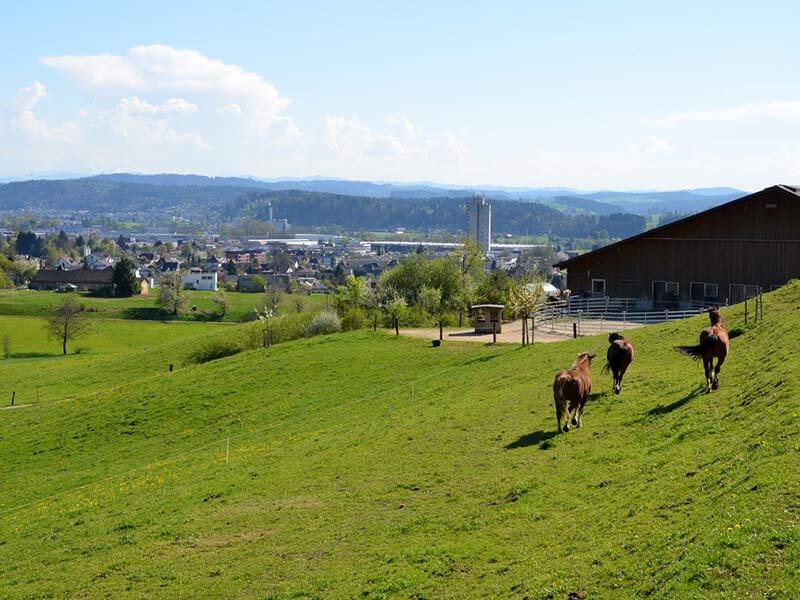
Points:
(618, 358)
(714, 343)
(571, 390)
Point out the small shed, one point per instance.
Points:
(487, 318)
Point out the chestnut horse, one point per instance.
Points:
(571, 390)
(714, 343)
(618, 358)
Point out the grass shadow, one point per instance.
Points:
(540, 437)
(34, 354)
(147, 313)
(668, 408)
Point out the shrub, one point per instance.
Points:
(214, 348)
(323, 323)
(353, 319)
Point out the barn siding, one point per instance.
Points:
(743, 242)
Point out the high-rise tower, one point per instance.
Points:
(479, 222)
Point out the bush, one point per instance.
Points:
(353, 319)
(212, 349)
(324, 323)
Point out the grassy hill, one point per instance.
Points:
(34, 303)
(364, 465)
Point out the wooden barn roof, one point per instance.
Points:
(794, 190)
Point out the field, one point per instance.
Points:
(366, 465)
(41, 303)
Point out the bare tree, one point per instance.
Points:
(67, 322)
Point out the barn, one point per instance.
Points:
(723, 254)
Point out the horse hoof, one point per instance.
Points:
(715, 385)
(566, 428)
(617, 391)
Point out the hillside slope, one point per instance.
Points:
(373, 466)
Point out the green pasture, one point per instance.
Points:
(41, 304)
(363, 465)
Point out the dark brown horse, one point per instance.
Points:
(714, 343)
(571, 390)
(618, 358)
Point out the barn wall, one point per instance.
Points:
(751, 242)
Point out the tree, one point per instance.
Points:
(350, 295)
(523, 299)
(299, 303)
(272, 298)
(471, 258)
(258, 283)
(171, 293)
(67, 322)
(124, 279)
(222, 302)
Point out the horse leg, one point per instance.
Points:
(622, 370)
(558, 416)
(715, 383)
(617, 380)
(566, 417)
(707, 368)
(579, 415)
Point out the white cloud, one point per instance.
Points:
(172, 107)
(25, 120)
(652, 145)
(230, 110)
(403, 140)
(784, 110)
(164, 69)
(138, 121)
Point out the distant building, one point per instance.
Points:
(82, 279)
(201, 281)
(479, 222)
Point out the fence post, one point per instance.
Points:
(745, 310)
(624, 319)
(13, 397)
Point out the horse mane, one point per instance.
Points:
(614, 336)
(715, 316)
(583, 357)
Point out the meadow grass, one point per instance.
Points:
(36, 303)
(364, 465)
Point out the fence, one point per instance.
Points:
(589, 316)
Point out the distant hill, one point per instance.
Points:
(584, 204)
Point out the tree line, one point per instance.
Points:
(353, 213)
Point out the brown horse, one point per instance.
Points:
(714, 343)
(571, 390)
(618, 358)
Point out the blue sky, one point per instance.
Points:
(622, 95)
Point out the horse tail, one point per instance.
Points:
(606, 367)
(696, 352)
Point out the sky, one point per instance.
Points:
(591, 95)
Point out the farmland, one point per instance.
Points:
(41, 304)
(366, 465)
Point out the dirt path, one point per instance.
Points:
(512, 334)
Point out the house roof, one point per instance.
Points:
(75, 277)
(794, 190)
